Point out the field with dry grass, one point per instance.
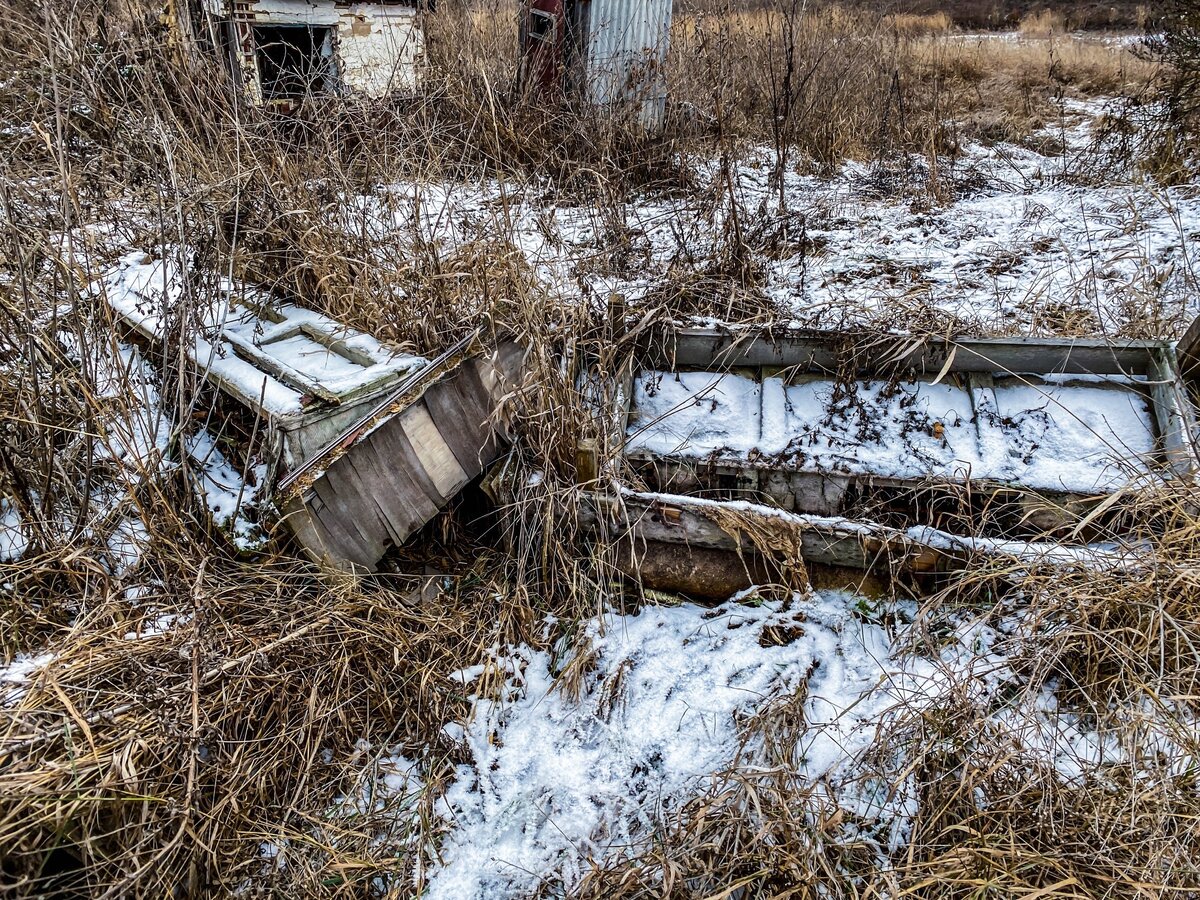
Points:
(191, 708)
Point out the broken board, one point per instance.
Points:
(383, 479)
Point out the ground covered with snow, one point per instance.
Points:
(559, 780)
(1055, 236)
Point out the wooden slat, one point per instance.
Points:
(401, 454)
(459, 407)
(342, 492)
(372, 508)
(326, 543)
(402, 502)
(1173, 413)
(434, 454)
(386, 476)
(828, 353)
(1188, 350)
(681, 524)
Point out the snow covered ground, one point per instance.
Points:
(1057, 240)
(555, 783)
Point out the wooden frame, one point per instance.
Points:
(381, 480)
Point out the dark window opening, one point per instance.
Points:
(294, 60)
(541, 25)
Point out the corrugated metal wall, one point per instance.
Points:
(627, 42)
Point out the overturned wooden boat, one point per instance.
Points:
(364, 443)
(884, 452)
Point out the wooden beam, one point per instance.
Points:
(872, 352)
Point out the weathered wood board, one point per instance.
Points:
(708, 536)
(382, 480)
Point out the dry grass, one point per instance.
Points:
(158, 766)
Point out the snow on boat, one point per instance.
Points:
(365, 443)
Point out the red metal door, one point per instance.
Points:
(542, 31)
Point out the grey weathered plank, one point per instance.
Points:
(342, 492)
(460, 408)
(830, 353)
(1188, 349)
(434, 454)
(1173, 412)
(389, 501)
(404, 500)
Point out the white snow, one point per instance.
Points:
(154, 626)
(16, 675)
(556, 782)
(12, 532)
(150, 294)
(229, 493)
(1041, 433)
(1012, 242)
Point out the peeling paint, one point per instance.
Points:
(381, 50)
(378, 48)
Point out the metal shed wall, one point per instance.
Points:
(627, 43)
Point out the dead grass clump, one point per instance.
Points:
(1000, 808)
(248, 702)
(1120, 635)
(1043, 23)
(917, 25)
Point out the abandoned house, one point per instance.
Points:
(282, 51)
(611, 52)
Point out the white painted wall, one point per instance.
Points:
(380, 48)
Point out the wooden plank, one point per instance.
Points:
(378, 508)
(326, 542)
(460, 409)
(1188, 350)
(402, 502)
(1173, 413)
(831, 352)
(313, 537)
(342, 492)
(394, 404)
(680, 523)
(401, 454)
(336, 345)
(434, 454)
(294, 379)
